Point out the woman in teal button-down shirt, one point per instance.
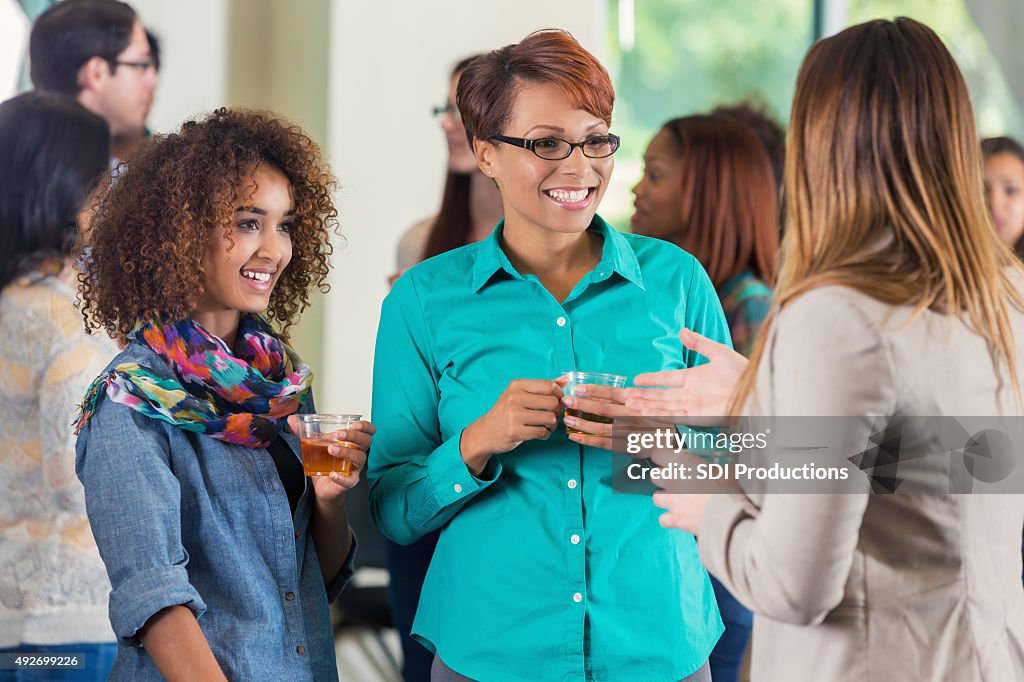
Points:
(541, 569)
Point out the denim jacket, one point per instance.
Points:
(182, 518)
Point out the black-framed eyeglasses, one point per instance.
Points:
(445, 109)
(145, 65)
(556, 149)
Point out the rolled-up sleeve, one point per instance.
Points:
(348, 567)
(133, 502)
(417, 480)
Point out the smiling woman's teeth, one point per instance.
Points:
(258, 276)
(568, 197)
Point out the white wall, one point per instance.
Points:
(1002, 23)
(14, 28)
(390, 61)
(388, 64)
(193, 62)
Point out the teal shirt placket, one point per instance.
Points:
(540, 566)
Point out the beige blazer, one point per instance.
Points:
(920, 587)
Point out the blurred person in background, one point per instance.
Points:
(1004, 189)
(708, 188)
(470, 203)
(895, 299)
(1004, 195)
(53, 587)
(124, 146)
(470, 208)
(768, 129)
(98, 52)
(541, 571)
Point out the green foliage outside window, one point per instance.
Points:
(689, 56)
(996, 111)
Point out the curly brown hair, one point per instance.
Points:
(151, 225)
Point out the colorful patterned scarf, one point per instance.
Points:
(237, 399)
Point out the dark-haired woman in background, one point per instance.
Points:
(470, 208)
(470, 204)
(1004, 189)
(708, 187)
(1004, 192)
(53, 588)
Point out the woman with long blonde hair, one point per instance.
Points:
(895, 300)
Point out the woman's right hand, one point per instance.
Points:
(702, 391)
(526, 410)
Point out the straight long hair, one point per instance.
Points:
(453, 224)
(728, 198)
(53, 152)
(884, 187)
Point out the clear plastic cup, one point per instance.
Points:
(316, 434)
(594, 379)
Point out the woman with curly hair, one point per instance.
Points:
(222, 556)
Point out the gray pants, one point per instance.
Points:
(439, 672)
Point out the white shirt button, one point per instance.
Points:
(457, 488)
(560, 321)
(575, 539)
(577, 597)
(572, 484)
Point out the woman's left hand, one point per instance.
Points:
(682, 510)
(357, 439)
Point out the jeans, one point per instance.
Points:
(727, 656)
(97, 659)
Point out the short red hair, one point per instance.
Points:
(488, 87)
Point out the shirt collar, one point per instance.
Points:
(490, 259)
(616, 256)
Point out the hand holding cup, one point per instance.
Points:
(333, 449)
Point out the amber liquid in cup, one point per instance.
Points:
(577, 378)
(585, 415)
(316, 434)
(316, 461)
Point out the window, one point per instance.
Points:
(995, 110)
(14, 27)
(671, 58)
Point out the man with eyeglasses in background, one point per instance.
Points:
(98, 52)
